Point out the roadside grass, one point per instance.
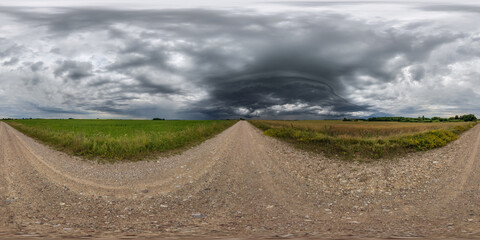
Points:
(120, 140)
(363, 141)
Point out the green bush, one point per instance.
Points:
(468, 118)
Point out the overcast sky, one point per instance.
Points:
(228, 59)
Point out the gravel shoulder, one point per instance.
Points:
(243, 184)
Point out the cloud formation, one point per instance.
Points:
(71, 70)
(205, 63)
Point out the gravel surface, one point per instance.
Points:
(239, 184)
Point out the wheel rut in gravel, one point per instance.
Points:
(240, 183)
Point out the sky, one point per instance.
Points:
(230, 59)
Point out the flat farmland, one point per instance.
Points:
(363, 140)
(119, 140)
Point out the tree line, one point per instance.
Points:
(462, 118)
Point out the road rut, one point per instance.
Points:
(243, 184)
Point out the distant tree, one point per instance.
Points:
(456, 116)
(436, 119)
(158, 119)
(468, 118)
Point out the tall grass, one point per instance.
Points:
(363, 140)
(114, 140)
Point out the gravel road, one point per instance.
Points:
(239, 184)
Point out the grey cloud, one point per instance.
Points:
(141, 58)
(413, 110)
(100, 82)
(147, 85)
(36, 66)
(418, 72)
(320, 54)
(56, 110)
(12, 61)
(287, 65)
(9, 48)
(137, 111)
(55, 50)
(31, 80)
(117, 33)
(334, 3)
(270, 94)
(72, 70)
(66, 21)
(452, 8)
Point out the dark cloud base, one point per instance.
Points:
(269, 95)
(245, 64)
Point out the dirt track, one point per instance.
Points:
(243, 184)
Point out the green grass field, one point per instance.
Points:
(114, 140)
(363, 140)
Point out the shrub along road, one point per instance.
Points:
(243, 184)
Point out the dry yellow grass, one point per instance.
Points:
(361, 129)
(364, 140)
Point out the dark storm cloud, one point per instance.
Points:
(272, 93)
(138, 54)
(248, 64)
(334, 51)
(146, 85)
(72, 70)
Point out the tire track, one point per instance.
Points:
(158, 184)
(240, 183)
(4, 188)
(450, 195)
(469, 166)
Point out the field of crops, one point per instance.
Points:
(112, 140)
(363, 140)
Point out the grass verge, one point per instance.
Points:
(363, 141)
(119, 140)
